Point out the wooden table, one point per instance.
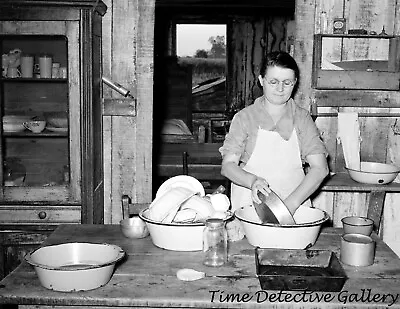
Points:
(147, 278)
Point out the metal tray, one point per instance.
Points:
(298, 270)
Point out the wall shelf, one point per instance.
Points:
(356, 62)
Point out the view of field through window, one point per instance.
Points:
(203, 47)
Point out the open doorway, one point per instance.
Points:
(202, 47)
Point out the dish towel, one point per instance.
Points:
(349, 136)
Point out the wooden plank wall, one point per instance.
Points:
(128, 59)
(378, 110)
(248, 40)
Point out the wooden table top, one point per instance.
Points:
(148, 278)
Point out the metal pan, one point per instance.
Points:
(273, 210)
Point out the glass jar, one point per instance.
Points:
(215, 242)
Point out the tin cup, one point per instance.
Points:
(357, 250)
(63, 72)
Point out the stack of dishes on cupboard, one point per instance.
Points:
(14, 123)
(57, 121)
(177, 216)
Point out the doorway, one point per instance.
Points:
(252, 28)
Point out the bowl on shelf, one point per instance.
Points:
(57, 119)
(357, 225)
(14, 123)
(13, 127)
(35, 126)
(374, 173)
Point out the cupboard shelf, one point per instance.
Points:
(34, 80)
(43, 134)
(357, 36)
(352, 61)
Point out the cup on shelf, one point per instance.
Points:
(45, 66)
(27, 66)
(36, 126)
(13, 72)
(63, 73)
(55, 70)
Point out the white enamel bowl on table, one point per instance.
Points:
(293, 236)
(374, 173)
(174, 236)
(75, 266)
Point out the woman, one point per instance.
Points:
(269, 141)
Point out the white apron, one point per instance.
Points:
(277, 161)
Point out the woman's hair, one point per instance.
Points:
(279, 59)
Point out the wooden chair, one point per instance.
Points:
(212, 182)
(129, 208)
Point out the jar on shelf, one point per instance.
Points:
(324, 22)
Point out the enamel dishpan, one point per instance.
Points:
(75, 266)
(374, 173)
(301, 235)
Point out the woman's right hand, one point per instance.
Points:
(259, 184)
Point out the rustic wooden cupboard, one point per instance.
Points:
(54, 176)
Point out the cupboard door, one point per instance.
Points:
(59, 165)
(41, 163)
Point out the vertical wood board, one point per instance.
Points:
(145, 72)
(303, 49)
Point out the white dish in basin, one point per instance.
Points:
(166, 205)
(181, 181)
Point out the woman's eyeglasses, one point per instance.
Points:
(286, 83)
